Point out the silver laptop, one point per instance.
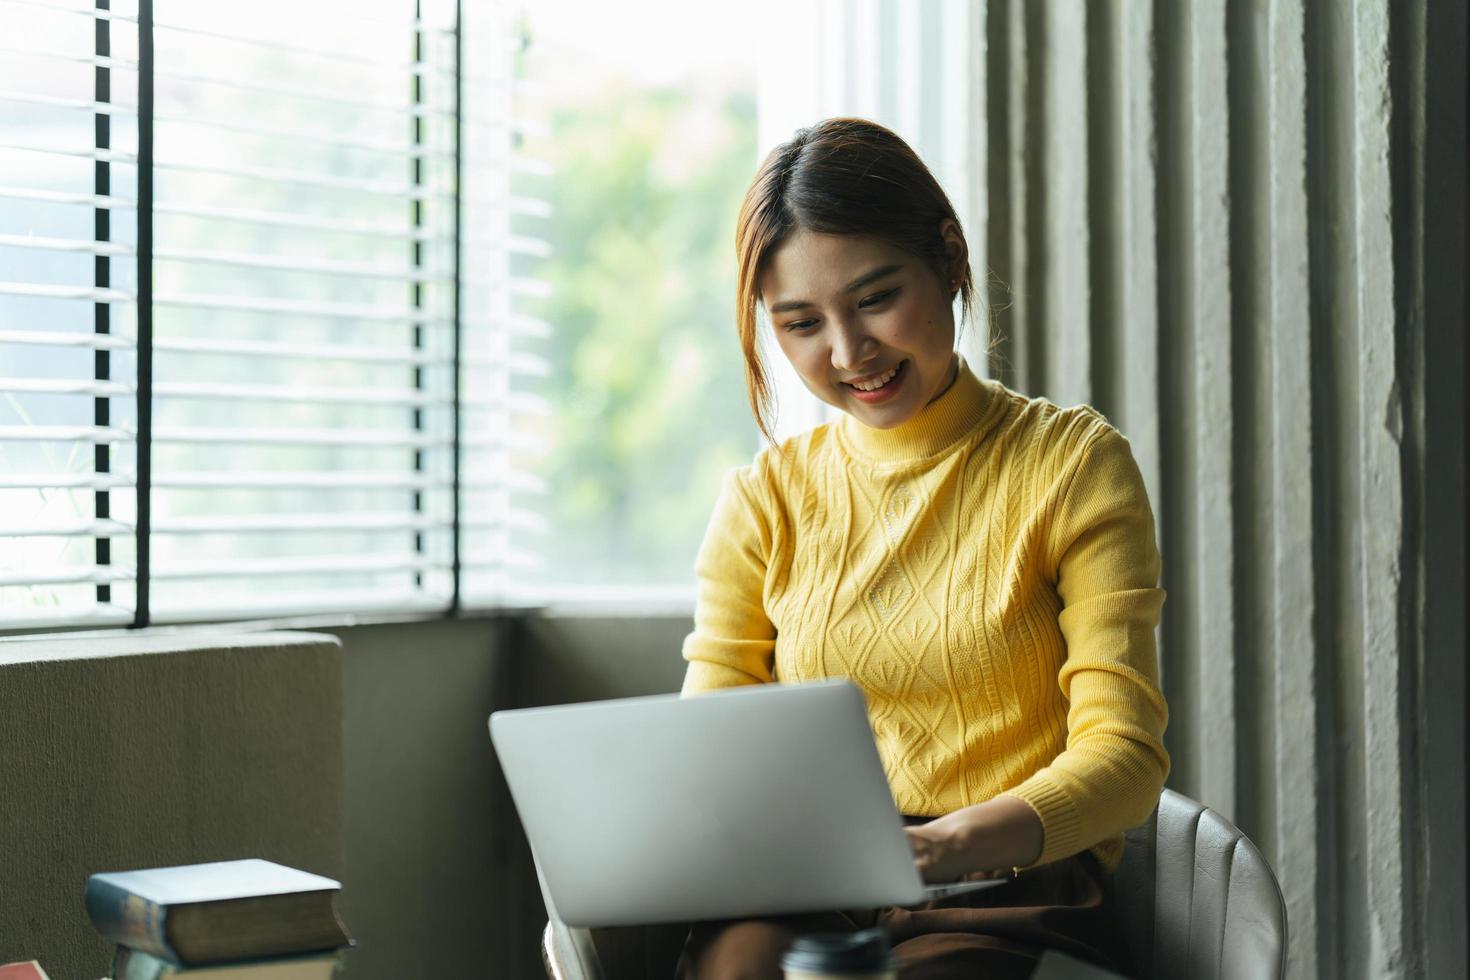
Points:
(755, 801)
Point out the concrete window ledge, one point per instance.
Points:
(157, 749)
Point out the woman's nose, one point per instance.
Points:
(851, 348)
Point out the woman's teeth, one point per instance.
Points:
(873, 384)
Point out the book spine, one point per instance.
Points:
(127, 919)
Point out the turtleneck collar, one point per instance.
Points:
(968, 404)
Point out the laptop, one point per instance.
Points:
(760, 800)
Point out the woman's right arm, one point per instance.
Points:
(734, 641)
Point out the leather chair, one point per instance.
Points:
(1195, 897)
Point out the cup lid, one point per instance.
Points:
(866, 950)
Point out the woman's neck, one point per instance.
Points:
(954, 372)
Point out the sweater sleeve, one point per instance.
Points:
(733, 641)
(1109, 776)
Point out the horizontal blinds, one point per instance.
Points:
(302, 316)
(68, 312)
(303, 311)
(504, 425)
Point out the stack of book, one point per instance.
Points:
(229, 920)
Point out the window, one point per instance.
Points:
(307, 297)
(364, 307)
(651, 139)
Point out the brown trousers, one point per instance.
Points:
(996, 932)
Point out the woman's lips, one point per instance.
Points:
(884, 393)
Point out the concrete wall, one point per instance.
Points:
(1238, 228)
(439, 881)
(425, 890)
(157, 750)
(369, 762)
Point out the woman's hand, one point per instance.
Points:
(982, 841)
(939, 857)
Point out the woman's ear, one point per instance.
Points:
(956, 251)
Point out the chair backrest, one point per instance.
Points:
(1200, 901)
(611, 954)
(1195, 897)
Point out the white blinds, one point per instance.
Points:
(68, 316)
(500, 498)
(303, 314)
(303, 309)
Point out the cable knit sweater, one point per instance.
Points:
(986, 573)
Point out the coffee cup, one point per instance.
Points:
(853, 956)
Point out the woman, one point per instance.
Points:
(980, 564)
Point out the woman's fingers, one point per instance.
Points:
(932, 856)
(924, 852)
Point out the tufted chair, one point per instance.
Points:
(1195, 897)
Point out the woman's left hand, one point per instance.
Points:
(981, 841)
(939, 854)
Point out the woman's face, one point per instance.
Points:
(868, 326)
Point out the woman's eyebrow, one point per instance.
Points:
(858, 283)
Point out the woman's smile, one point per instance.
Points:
(878, 387)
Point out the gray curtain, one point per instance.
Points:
(1238, 229)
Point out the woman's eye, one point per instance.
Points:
(875, 300)
(800, 325)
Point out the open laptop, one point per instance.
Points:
(754, 801)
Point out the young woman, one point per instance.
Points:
(981, 564)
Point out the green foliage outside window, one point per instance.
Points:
(647, 388)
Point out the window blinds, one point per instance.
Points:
(68, 312)
(501, 419)
(313, 289)
(302, 310)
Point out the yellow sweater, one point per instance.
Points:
(986, 573)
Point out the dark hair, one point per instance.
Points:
(839, 177)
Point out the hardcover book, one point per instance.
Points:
(131, 964)
(210, 913)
